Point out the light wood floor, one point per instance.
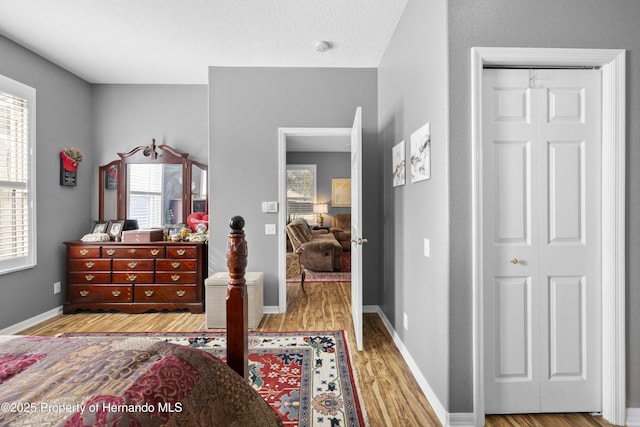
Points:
(391, 395)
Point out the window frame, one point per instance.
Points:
(15, 88)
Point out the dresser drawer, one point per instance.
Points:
(81, 277)
(92, 264)
(175, 277)
(176, 265)
(160, 293)
(99, 293)
(133, 277)
(133, 252)
(181, 252)
(132, 265)
(84, 251)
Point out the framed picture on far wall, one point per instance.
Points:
(341, 192)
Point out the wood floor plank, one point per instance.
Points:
(391, 394)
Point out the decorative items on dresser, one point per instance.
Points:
(135, 277)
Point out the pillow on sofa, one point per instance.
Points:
(306, 225)
(299, 233)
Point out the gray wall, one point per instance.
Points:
(542, 23)
(412, 90)
(63, 109)
(125, 116)
(247, 106)
(328, 166)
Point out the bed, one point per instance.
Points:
(121, 381)
(135, 381)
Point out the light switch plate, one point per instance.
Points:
(269, 229)
(427, 248)
(270, 207)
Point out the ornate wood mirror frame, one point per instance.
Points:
(115, 175)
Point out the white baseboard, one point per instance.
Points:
(21, 326)
(271, 309)
(633, 417)
(461, 419)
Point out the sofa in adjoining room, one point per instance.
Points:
(342, 230)
(318, 249)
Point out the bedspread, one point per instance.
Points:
(111, 381)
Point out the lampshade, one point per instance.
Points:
(321, 208)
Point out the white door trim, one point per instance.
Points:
(612, 64)
(283, 133)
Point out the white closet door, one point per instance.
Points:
(541, 234)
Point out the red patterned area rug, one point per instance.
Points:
(306, 377)
(345, 261)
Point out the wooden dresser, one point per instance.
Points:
(135, 277)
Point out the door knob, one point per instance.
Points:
(359, 241)
(514, 261)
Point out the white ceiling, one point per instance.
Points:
(174, 41)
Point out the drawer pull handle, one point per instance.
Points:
(83, 252)
(175, 277)
(155, 252)
(175, 264)
(132, 250)
(89, 264)
(132, 264)
(181, 252)
(148, 292)
(84, 293)
(111, 251)
(116, 293)
(132, 277)
(180, 293)
(89, 277)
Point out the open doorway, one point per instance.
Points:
(319, 158)
(355, 189)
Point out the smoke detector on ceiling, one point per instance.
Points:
(322, 46)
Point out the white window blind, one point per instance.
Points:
(301, 191)
(145, 194)
(17, 176)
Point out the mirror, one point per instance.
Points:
(108, 184)
(156, 185)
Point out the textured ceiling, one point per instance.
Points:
(174, 41)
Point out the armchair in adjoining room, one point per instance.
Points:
(318, 249)
(342, 230)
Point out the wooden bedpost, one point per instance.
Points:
(237, 300)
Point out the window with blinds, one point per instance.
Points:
(301, 191)
(17, 176)
(145, 194)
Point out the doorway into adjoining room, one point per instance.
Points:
(331, 201)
